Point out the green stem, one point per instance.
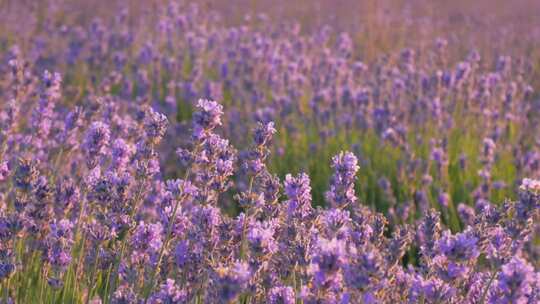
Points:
(167, 238)
(244, 228)
(92, 285)
(484, 294)
(79, 261)
(106, 291)
(162, 251)
(43, 282)
(116, 265)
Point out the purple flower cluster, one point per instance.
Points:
(173, 241)
(341, 191)
(119, 188)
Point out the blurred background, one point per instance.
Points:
(376, 25)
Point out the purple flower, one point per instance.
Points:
(443, 199)
(429, 232)
(298, 190)
(436, 291)
(466, 214)
(230, 281)
(58, 244)
(124, 295)
(460, 247)
(26, 174)
(398, 245)
(207, 118)
(499, 246)
(327, 259)
(169, 293)
(146, 243)
(180, 187)
(43, 115)
(341, 192)
(281, 295)
(121, 152)
(7, 266)
(514, 283)
(4, 170)
(263, 133)
(155, 125)
(364, 268)
(336, 223)
(529, 198)
(95, 142)
(438, 155)
(261, 238)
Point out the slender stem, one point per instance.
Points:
(79, 261)
(244, 228)
(116, 265)
(167, 238)
(57, 162)
(92, 285)
(65, 288)
(79, 256)
(169, 233)
(106, 292)
(5, 291)
(43, 282)
(162, 250)
(485, 292)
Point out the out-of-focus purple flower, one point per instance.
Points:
(298, 190)
(4, 170)
(341, 191)
(43, 115)
(261, 239)
(58, 245)
(364, 268)
(514, 283)
(26, 174)
(263, 133)
(398, 245)
(146, 243)
(443, 199)
(230, 281)
(499, 246)
(327, 259)
(95, 142)
(124, 294)
(529, 198)
(460, 247)
(466, 214)
(155, 125)
(281, 295)
(336, 223)
(488, 152)
(169, 293)
(438, 155)
(207, 118)
(429, 232)
(7, 263)
(121, 152)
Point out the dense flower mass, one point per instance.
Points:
(319, 176)
(186, 247)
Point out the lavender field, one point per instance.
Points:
(281, 152)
